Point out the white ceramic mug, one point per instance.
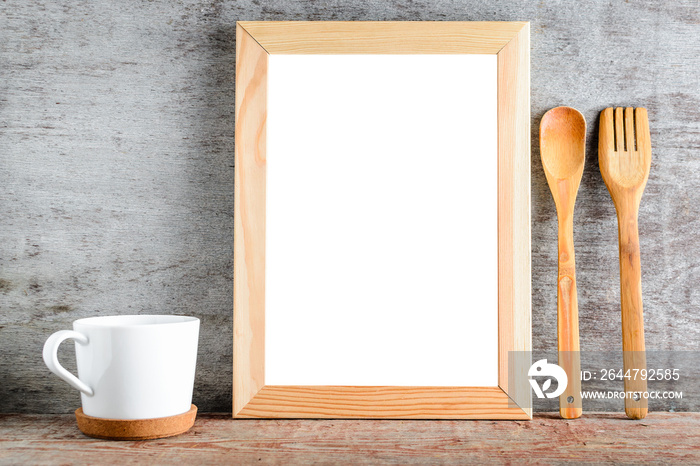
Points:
(130, 367)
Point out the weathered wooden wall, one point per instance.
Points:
(116, 166)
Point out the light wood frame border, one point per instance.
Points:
(510, 41)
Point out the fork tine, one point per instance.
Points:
(643, 137)
(606, 133)
(619, 131)
(629, 129)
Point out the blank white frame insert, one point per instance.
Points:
(381, 255)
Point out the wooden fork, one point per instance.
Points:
(624, 154)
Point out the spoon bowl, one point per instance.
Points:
(562, 143)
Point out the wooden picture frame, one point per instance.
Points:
(511, 398)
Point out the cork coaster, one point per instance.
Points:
(135, 429)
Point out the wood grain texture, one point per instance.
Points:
(340, 402)
(117, 154)
(216, 439)
(514, 305)
(249, 226)
(625, 159)
(368, 37)
(250, 397)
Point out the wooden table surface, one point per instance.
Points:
(216, 438)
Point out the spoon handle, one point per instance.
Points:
(567, 322)
(633, 351)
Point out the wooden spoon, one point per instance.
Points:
(563, 150)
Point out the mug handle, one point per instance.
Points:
(51, 358)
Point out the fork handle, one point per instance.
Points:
(567, 322)
(633, 351)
